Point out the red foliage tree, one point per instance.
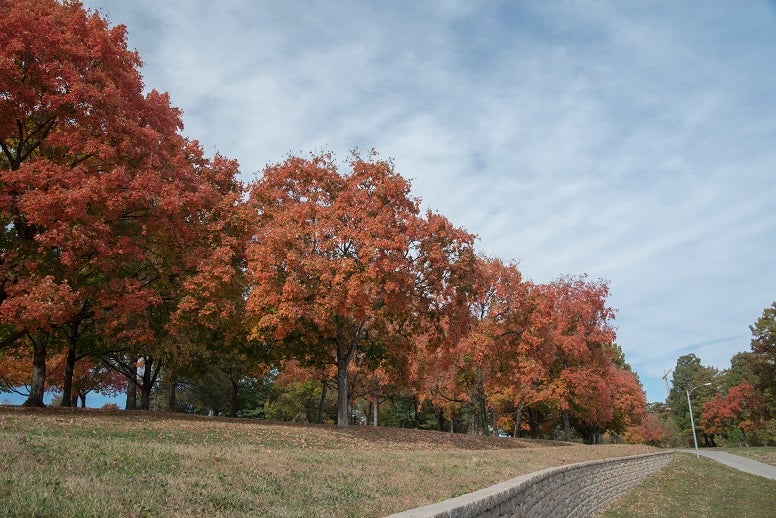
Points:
(338, 259)
(88, 376)
(104, 205)
(15, 369)
(742, 408)
(650, 431)
(627, 399)
(575, 358)
(482, 355)
(532, 350)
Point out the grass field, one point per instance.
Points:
(690, 487)
(59, 462)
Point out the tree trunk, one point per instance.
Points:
(343, 419)
(481, 410)
(536, 423)
(518, 418)
(37, 387)
(566, 426)
(83, 400)
(67, 383)
(145, 397)
(145, 389)
(322, 402)
(345, 352)
(132, 388)
(375, 408)
(172, 402)
(234, 402)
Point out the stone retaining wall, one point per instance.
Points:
(573, 490)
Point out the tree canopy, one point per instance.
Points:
(735, 405)
(129, 258)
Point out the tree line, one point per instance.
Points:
(321, 290)
(734, 406)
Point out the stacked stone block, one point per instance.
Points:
(573, 490)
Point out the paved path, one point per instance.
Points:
(740, 463)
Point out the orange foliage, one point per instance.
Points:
(108, 211)
(650, 431)
(88, 376)
(15, 368)
(743, 408)
(533, 345)
(339, 259)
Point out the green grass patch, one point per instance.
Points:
(692, 487)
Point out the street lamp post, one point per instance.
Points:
(692, 422)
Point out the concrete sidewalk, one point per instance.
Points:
(738, 462)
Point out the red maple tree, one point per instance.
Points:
(742, 408)
(340, 258)
(105, 207)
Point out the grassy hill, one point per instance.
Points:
(64, 462)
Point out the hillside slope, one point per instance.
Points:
(89, 463)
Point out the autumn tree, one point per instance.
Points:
(106, 207)
(649, 431)
(377, 374)
(87, 376)
(72, 118)
(15, 375)
(340, 258)
(441, 375)
(492, 346)
(578, 339)
(208, 323)
(741, 409)
(535, 351)
(627, 399)
(491, 358)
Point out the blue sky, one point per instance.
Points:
(632, 141)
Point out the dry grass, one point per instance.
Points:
(91, 463)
